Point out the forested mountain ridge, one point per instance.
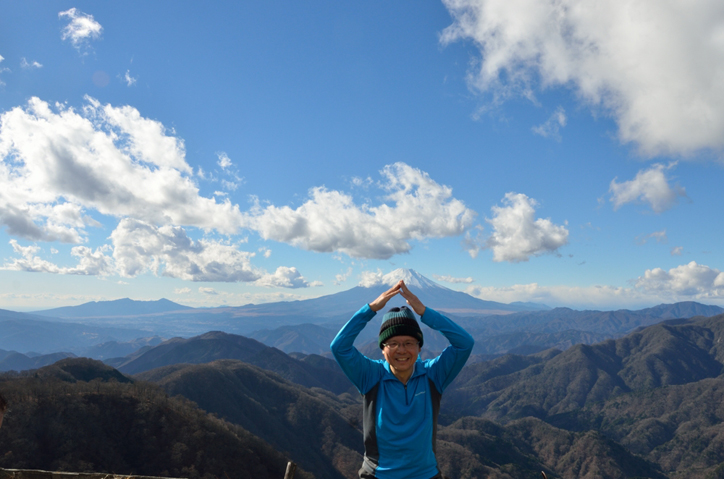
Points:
(314, 427)
(82, 416)
(665, 354)
(648, 404)
(309, 372)
(657, 392)
(322, 431)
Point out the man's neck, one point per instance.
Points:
(403, 376)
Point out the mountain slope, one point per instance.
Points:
(679, 427)
(526, 446)
(657, 392)
(289, 417)
(657, 356)
(14, 361)
(119, 307)
(61, 422)
(27, 332)
(217, 345)
(321, 432)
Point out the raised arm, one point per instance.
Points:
(361, 370)
(446, 367)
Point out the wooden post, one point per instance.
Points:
(291, 469)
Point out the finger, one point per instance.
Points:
(391, 292)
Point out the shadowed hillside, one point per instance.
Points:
(660, 355)
(657, 392)
(648, 404)
(308, 424)
(527, 446)
(83, 416)
(215, 345)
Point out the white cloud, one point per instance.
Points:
(140, 247)
(167, 250)
(331, 221)
(81, 29)
(229, 185)
(361, 182)
(223, 298)
(55, 164)
(518, 235)
(473, 244)
(451, 279)
(285, 277)
(130, 81)
(342, 277)
(659, 236)
(582, 297)
(182, 291)
(691, 280)
(228, 168)
(90, 262)
(3, 69)
(655, 67)
(677, 251)
(209, 291)
(369, 279)
(649, 186)
(224, 160)
(552, 126)
(30, 301)
(26, 64)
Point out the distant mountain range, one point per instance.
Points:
(519, 333)
(344, 303)
(15, 361)
(29, 333)
(647, 404)
(119, 307)
(330, 306)
(108, 329)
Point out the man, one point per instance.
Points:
(401, 393)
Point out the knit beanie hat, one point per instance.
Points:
(399, 322)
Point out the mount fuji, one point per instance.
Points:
(432, 294)
(169, 319)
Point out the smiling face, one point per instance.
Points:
(402, 359)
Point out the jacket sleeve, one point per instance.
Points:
(361, 370)
(444, 368)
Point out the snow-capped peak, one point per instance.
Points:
(412, 278)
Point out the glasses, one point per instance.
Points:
(394, 346)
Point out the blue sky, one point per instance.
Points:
(223, 153)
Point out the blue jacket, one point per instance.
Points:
(400, 421)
